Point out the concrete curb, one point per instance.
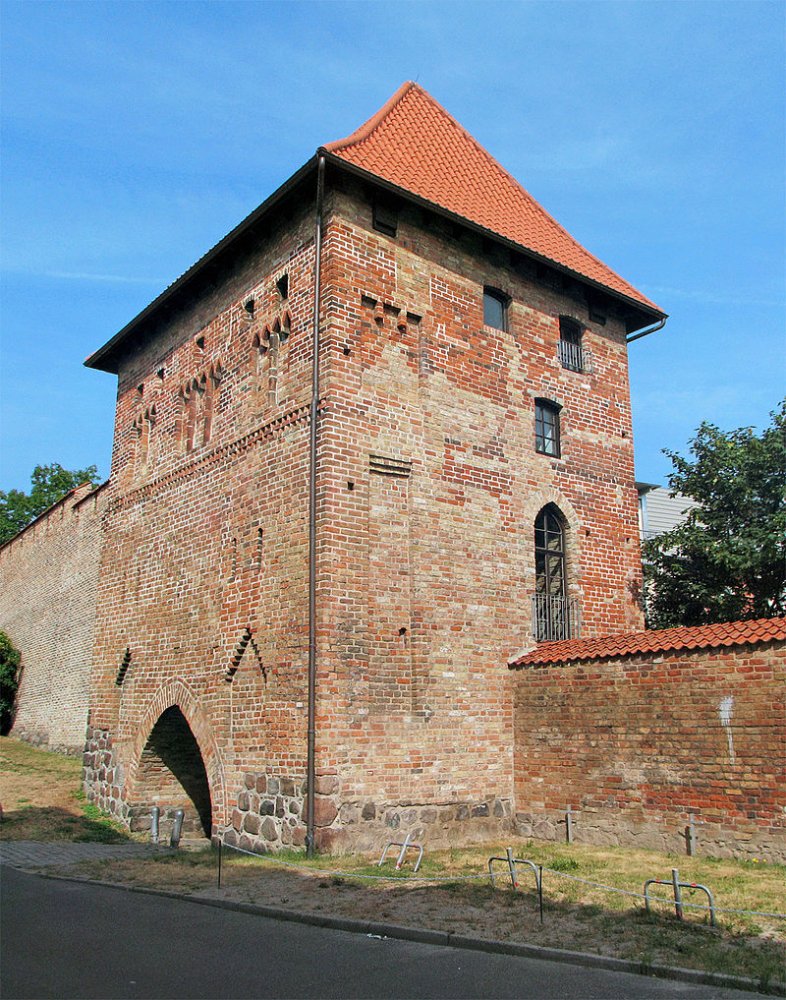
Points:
(422, 935)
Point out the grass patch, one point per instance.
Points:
(43, 800)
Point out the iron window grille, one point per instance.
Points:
(555, 618)
(570, 350)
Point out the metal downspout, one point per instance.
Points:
(312, 520)
(646, 333)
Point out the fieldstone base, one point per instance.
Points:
(268, 814)
(613, 828)
(366, 826)
(102, 775)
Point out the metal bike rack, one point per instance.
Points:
(406, 845)
(512, 871)
(678, 886)
(511, 863)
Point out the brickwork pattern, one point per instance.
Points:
(429, 486)
(48, 581)
(203, 577)
(638, 744)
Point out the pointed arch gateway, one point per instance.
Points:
(176, 766)
(171, 774)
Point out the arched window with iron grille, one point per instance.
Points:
(554, 615)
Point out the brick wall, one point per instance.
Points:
(639, 744)
(202, 598)
(429, 485)
(48, 578)
(431, 488)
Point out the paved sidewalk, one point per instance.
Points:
(36, 854)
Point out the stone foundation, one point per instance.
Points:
(102, 775)
(613, 828)
(366, 826)
(268, 814)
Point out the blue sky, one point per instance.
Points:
(135, 135)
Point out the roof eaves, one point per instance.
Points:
(103, 358)
(651, 312)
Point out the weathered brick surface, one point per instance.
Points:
(431, 570)
(429, 485)
(639, 744)
(48, 579)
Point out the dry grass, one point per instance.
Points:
(42, 798)
(577, 916)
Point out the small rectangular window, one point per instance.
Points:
(547, 428)
(495, 309)
(385, 219)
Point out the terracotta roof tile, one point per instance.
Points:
(413, 143)
(655, 641)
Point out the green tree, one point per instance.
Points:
(9, 680)
(727, 560)
(49, 483)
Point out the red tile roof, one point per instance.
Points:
(655, 641)
(413, 143)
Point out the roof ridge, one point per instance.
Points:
(528, 223)
(681, 637)
(365, 130)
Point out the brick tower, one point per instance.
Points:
(472, 469)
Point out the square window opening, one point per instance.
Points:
(495, 309)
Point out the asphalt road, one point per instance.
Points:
(66, 940)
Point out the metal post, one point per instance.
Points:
(312, 527)
(177, 828)
(675, 881)
(402, 853)
(690, 836)
(569, 825)
(540, 890)
(154, 815)
(511, 866)
(220, 847)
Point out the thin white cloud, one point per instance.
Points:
(120, 279)
(710, 298)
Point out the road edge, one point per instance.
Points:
(423, 935)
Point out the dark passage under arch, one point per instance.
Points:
(172, 775)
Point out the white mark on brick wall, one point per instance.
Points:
(725, 710)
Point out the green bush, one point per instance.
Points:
(9, 681)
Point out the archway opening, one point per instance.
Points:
(172, 775)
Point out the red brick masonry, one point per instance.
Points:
(638, 731)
